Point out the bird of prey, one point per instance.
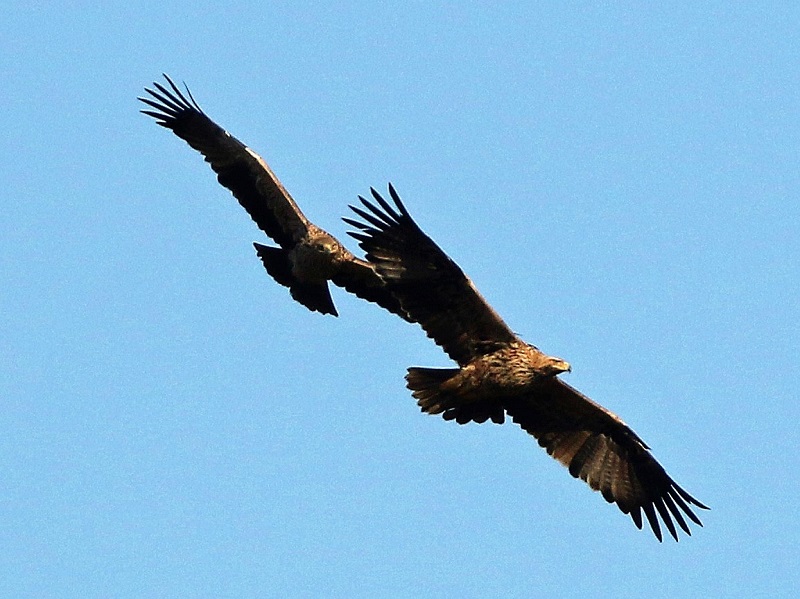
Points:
(307, 257)
(500, 374)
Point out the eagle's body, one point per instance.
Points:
(307, 257)
(498, 374)
(467, 393)
(317, 257)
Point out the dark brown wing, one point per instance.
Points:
(362, 280)
(432, 289)
(238, 168)
(599, 448)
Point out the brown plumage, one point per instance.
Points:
(500, 374)
(307, 257)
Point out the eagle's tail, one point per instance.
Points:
(425, 385)
(314, 296)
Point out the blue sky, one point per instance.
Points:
(620, 182)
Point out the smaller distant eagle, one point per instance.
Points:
(307, 257)
(500, 374)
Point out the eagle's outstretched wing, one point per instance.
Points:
(238, 168)
(361, 278)
(600, 449)
(431, 287)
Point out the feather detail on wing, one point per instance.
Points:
(600, 449)
(432, 289)
(238, 168)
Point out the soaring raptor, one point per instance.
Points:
(307, 257)
(500, 374)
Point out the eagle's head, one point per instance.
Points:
(556, 366)
(327, 254)
(328, 245)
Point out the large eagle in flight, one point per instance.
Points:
(307, 257)
(500, 374)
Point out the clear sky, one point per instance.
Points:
(620, 182)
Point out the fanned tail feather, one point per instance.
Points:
(426, 388)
